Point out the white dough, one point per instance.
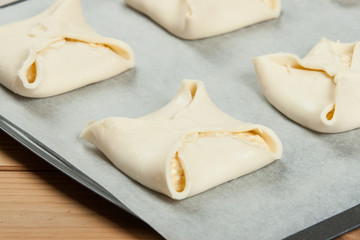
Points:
(57, 51)
(186, 147)
(320, 91)
(194, 19)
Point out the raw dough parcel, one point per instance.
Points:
(194, 19)
(320, 91)
(186, 147)
(57, 51)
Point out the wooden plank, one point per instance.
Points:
(352, 235)
(49, 204)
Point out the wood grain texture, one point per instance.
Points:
(48, 205)
(352, 235)
(39, 202)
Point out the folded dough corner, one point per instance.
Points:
(186, 147)
(195, 19)
(320, 91)
(57, 51)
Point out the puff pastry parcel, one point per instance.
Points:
(194, 19)
(320, 91)
(57, 51)
(186, 147)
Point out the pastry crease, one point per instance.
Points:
(186, 147)
(195, 19)
(320, 91)
(57, 51)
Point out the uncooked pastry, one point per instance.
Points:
(57, 51)
(194, 19)
(320, 91)
(186, 147)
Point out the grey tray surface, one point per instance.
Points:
(316, 179)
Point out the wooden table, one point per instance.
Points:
(39, 202)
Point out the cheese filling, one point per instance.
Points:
(270, 3)
(330, 114)
(31, 73)
(177, 173)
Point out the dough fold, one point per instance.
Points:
(57, 51)
(186, 147)
(320, 91)
(195, 19)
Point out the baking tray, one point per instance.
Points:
(316, 179)
(327, 229)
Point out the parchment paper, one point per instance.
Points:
(318, 175)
